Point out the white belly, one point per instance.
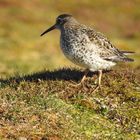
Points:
(93, 63)
(88, 59)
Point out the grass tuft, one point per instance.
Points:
(44, 105)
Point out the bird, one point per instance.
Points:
(86, 47)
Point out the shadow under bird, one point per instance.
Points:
(86, 47)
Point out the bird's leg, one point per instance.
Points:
(83, 78)
(99, 80)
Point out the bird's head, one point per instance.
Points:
(60, 21)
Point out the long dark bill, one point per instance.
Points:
(48, 30)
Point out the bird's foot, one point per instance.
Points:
(96, 88)
(73, 84)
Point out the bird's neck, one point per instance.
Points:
(70, 26)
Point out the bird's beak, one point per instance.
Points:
(48, 30)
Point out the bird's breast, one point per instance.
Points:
(74, 48)
(72, 41)
(72, 44)
(83, 53)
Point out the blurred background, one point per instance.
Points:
(23, 51)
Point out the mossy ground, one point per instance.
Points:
(37, 100)
(45, 106)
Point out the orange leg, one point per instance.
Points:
(99, 81)
(83, 79)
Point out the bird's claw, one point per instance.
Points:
(96, 88)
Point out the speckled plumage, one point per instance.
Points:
(88, 48)
(85, 46)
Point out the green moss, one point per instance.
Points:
(36, 104)
(48, 106)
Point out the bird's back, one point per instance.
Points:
(80, 34)
(106, 50)
(89, 48)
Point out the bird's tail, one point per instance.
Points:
(127, 52)
(126, 59)
(122, 57)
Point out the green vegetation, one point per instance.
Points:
(38, 106)
(37, 100)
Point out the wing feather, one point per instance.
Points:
(106, 50)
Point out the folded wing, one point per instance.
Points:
(106, 50)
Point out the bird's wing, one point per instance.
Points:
(106, 50)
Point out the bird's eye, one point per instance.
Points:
(59, 21)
